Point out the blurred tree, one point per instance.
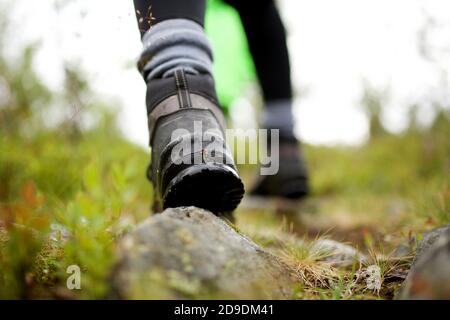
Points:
(373, 100)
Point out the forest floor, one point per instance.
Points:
(66, 195)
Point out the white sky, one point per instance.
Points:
(333, 46)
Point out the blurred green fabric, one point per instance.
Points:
(233, 64)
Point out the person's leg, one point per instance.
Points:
(266, 37)
(173, 37)
(183, 113)
(267, 43)
(151, 12)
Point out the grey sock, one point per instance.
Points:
(173, 44)
(277, 114)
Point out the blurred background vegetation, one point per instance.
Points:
(70, 183)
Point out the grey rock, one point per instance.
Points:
(402, 251)
(429, 238)
(190, 253)
(429, 276)
(336, 253)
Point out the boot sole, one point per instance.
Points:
(209, 186)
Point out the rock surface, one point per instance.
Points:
(429, 239)
(429, 276)
(191, 253)
(337, 254)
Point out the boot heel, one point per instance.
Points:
(214, 187)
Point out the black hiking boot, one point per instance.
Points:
(191, 164)
(291, 180)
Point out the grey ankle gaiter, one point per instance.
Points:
(277, 114)
(173, 44)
